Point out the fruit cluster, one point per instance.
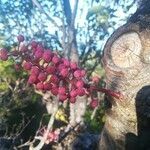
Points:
(50, 72)
(52, 136)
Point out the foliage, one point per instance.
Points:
(94, 125)
(35, 23)
(17, 101)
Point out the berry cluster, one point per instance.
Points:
(50, 72)
(52, 136)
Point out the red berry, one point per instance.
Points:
(32, 79)
(35, 70)
(79, 84)
(47, 55)
(42, 76)
(47, 86)
(77, 74)
(27, 65)
(61, 66)
(3, 54)
(83, 73)
(54, 79)
(38, 54)
(55, 59)
(66, 62)
(40, 47)
(64, 72)
(63, 97)
(81, 91)
(34, 44)
(62, 90)
(72, 100)
(54, 90)
(20, 38)
(40, 86)
(73, 81)
(94, 103)
(50, 69)
(73, 93)
(73, 65)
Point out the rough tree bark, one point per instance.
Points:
(126, 61)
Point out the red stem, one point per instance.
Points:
(107, 91)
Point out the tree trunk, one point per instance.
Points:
(126, 61)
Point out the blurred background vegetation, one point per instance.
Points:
(95, 21)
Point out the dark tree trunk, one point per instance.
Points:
(126, 61)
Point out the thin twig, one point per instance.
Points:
(36, 3)
(49, 128)
(93, 113)
(66, 133)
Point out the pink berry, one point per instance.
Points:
(50, 136)
(79, 84)
(47, 86)
(27, 65)
(77, 74)
(3, 54)
(66, 62)
(72, 100)
(64, 72)
(47, 55)
(73, 81)
(38, 54)
(34, 44)
(73, 65)
(61, 66)
(32, 79)
(81, 91)
(94, 103)
(63, 97)
(83, 73)
(20, 38)
(73, 93)
(54, 79)
(40, 47)
(62, 90)
(35, 70)
(55, 59)
(54, 90)
(50, 69)
(40, 86)
(42, 76)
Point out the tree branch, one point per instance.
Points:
(67, 10)
(49, 128)
(74, 13)
(36, 3)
